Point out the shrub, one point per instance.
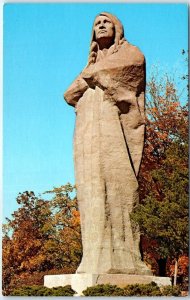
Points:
(169, 290)
(104, 290)
(150, 289)
(43, 291)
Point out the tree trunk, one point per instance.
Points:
(175, 272)
(162, 266)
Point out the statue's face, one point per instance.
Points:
(103, 28)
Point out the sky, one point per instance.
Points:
(45, 47)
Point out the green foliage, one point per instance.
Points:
(150, 289)
(43, 291)
(162, 215)
(104, 290)
(171, 291)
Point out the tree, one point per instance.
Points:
(7, 262)
(43, 235)
(66, 219)
(166, 121)
(166, 220)
(163, 212)
(23, 235)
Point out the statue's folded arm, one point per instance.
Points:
(125, 67)
(76, 90)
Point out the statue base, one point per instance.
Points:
(80, 282)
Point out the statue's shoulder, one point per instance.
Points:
(133, 52)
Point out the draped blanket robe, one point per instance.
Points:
(108, 143)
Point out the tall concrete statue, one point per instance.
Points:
(109, 99)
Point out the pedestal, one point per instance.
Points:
(79, 282)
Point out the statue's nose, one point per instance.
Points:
(102, 25)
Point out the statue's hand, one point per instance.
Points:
(89, 77)
(76, 91)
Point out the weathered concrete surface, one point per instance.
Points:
(108, 97)
(79, 282)
(51, 281)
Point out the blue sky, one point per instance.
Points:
(45, 48)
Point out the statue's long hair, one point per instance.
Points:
(118, 40)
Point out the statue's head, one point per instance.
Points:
(111, 23)
(104, 31)
(107, 31)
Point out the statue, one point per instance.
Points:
(109, 99)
